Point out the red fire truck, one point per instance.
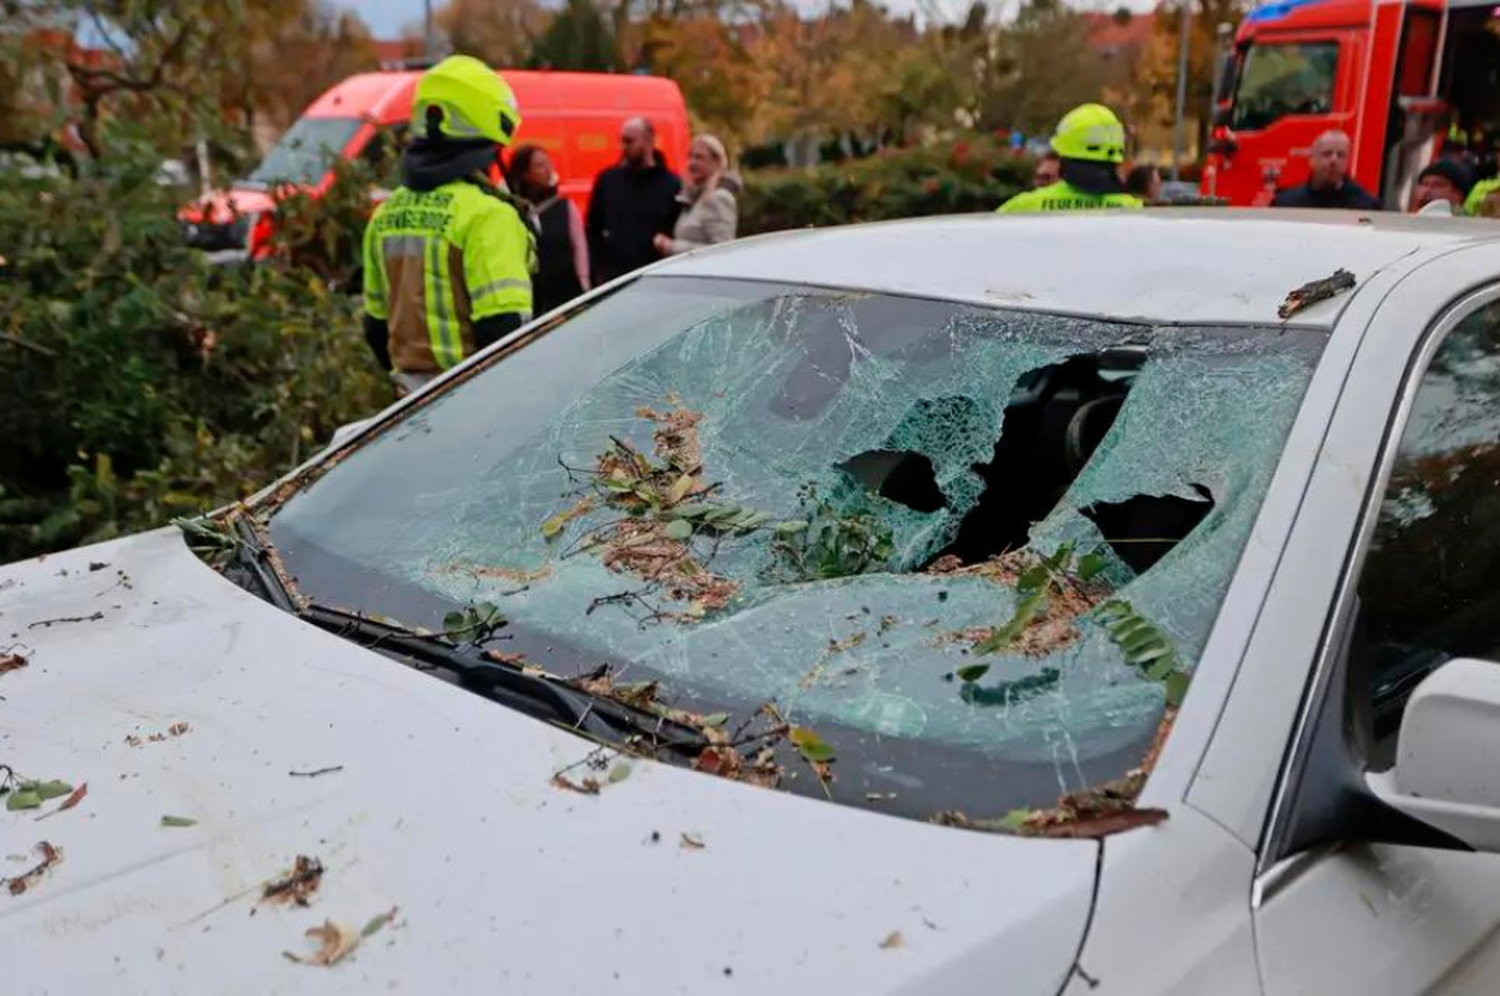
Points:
(1407, 79)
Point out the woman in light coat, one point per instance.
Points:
(709, 212)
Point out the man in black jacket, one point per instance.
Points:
(1328, 184)
(633, 202)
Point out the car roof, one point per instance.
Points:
(1170, 265)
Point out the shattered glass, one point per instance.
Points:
(791, 382)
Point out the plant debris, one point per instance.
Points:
(316, 772)
(49, 623)
(175, 730)
(1092, 812)
(297, 885)
(12, 659)
(22, 793)
(816, 752)
(1147, 647)
(1314, 291)
(589, 785)
(335, 942)
(178, 821)
(692, 842)
(50, 856)
(73, 799)
(664, 509)
(892, 940)
(376, 923)
(1054, 591)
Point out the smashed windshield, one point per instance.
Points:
(969, 556)
(305, 153)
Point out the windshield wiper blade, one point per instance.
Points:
(542, 696)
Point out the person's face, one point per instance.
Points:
(1436, 188)
(1048, 172)
(1329, 162)
(635, 144)
(539, 174)
(700, 164)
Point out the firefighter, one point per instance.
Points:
(448, 257)
(1091, 142)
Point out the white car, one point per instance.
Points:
(811, 615)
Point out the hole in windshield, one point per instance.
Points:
(900, 476)
(1143, 529)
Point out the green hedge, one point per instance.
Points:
(138, 382)
(949, 178)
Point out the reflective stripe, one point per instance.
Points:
(403, 246)
(447, 350)
(505, 283)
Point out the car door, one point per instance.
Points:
(1353, 898)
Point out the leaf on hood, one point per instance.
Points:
(892, 940)
(377, 923)
(72, 800)
(678, 529)
(50, 856)
(297, 885)
(52, 789)
(619, 772)
(10, 660)
(589, 786)
(972, 672)
(19, 799)
(813, 748)
(178, 821)
(335, 941)
(692, 842)
(177, 729)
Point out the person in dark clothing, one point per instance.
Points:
(1328, 184)
(562, 249)
(633, 202)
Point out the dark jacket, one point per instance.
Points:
(1349, 195)
(628, 208)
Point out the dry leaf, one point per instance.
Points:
(589, 786)
(892, 940)
(691, 841)
(297, 885)
(11, 661)
(31, 876)
(177, 729)
(334, 942)
(72, 800)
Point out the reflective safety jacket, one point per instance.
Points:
(437, 261)
(1063, 196)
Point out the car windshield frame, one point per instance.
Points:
(293, 160)
(881, 765)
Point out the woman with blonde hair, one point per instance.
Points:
(709, 212)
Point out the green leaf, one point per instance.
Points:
(1015, 819)
(680, 489)
(790, 528)
(52, 789)
(972, 672)
(679, 529)
(1177, 686)
(1136, 637)
(1113, 610)
(1033, 578)
(620, 771)
(489, 612)
(714, 719)
(1025, 612)
(455, 620)
(377, 922)
(1162, 669)
(1059, 558)
(178, 821)
(1090, 564)
(20, 799)
(553, 527)
(1149, 653)
(812, 747)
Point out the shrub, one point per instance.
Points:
(965, 175)
(138, 381)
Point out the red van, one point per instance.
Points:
(576, 117)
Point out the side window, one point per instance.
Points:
(1284, 78)
(1430, 586)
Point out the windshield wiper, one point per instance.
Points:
(542, 696)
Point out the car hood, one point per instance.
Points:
(443, 807)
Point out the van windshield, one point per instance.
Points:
(976, 551)
(305, 153)
(1279, 79)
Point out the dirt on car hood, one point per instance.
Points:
(250, 778)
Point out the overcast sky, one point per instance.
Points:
(386, 18)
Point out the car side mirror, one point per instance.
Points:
(1445, 773)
